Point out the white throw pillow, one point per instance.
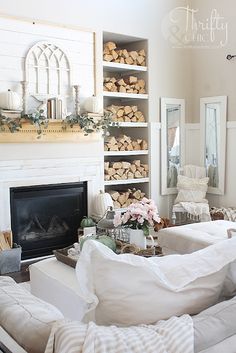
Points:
(191, 189)
(129, 290)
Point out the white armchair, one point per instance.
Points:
(190, 205)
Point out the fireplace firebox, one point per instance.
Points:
(46, 217)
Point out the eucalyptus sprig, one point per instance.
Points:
(90, 124)
(12, 124)
(38, 119)
(15, 124)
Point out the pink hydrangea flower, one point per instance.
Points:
(117, 219)
(139, 215)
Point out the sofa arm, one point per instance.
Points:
(214, 325)
(8, 345)
(33, 328)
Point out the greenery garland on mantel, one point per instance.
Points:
(88, 124)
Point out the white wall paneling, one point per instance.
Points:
(155, 172)
(17, 37)
(192, 144)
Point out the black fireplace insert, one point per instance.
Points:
(47, 217)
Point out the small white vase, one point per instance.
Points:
(89, 230)
(138, 238)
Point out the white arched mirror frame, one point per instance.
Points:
(221, 103)
(165, 103)
(43, 62)
(51, 53)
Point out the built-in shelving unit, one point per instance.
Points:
(136, 130)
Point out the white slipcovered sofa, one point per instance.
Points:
(26, 322)
(193, 237)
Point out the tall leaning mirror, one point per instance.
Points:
(172, 142)
(213, 111)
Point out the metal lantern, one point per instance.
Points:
(107, 224)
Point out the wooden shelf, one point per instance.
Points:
(117, 67)
(124, 95)
(130, 124)
(126, 181)
(126, 153)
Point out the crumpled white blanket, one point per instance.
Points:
(197, 211)
(171, 336)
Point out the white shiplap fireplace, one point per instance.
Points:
(44, 164)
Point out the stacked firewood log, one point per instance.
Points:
(6, 241)
(125, 113)
(128, 84)
(124, 143)
(122, 199)
(123, 56)
(125, 170)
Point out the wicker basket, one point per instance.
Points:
(126, 248)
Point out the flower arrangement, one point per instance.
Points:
(139, 215)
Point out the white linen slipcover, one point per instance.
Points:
(27, 318)
(56, 283)
(192, 237)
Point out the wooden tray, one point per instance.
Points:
(61, 255)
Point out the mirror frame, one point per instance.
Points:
(164, 102)
(222, 143)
